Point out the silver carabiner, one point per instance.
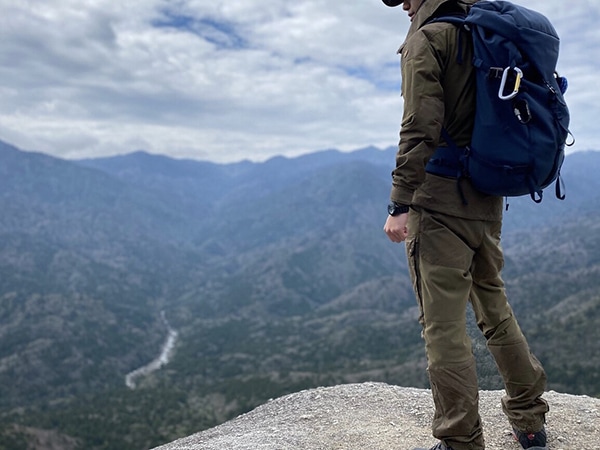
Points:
(519, 76)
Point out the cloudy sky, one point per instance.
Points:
(225, 80)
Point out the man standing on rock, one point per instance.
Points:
(453, 241)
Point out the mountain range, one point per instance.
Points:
(276, 277)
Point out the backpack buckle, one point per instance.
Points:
(518, 76)
(495, 72)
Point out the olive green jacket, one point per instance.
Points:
(438, 90)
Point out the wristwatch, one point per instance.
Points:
(395, 209)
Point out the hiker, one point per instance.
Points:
(452, 239)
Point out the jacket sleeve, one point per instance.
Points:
(422, 118)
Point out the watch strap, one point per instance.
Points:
(395, 209)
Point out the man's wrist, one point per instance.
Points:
(395, 209)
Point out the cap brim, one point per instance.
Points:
(392, 2)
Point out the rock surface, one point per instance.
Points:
(377, 416)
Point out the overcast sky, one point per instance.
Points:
(226, 80)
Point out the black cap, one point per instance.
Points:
(392, 2)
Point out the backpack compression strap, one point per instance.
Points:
(450, 162)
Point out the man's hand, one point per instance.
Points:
(395, 227)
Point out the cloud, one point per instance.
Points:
(231, 80)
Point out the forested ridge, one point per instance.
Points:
(276, 275)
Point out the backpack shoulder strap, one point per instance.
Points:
(455, 19)
(450, 12)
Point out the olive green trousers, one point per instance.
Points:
(453, 261)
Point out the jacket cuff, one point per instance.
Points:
(401, 197)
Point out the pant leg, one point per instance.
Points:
(523, 375)
(439, 261)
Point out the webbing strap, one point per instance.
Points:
(446, 161)
(449, 162)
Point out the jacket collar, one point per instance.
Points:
(425, 12)
(427, 9)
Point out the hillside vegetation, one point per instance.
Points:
(276, 276)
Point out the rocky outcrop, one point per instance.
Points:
(377, 416)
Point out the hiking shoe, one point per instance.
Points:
(439, 446)
(531, 440)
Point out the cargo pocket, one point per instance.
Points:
(412, 253)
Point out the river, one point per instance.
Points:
(160, 361)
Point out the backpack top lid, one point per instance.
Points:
(529, 30)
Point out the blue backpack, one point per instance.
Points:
(521, 122)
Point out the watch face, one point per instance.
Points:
(395, 209)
